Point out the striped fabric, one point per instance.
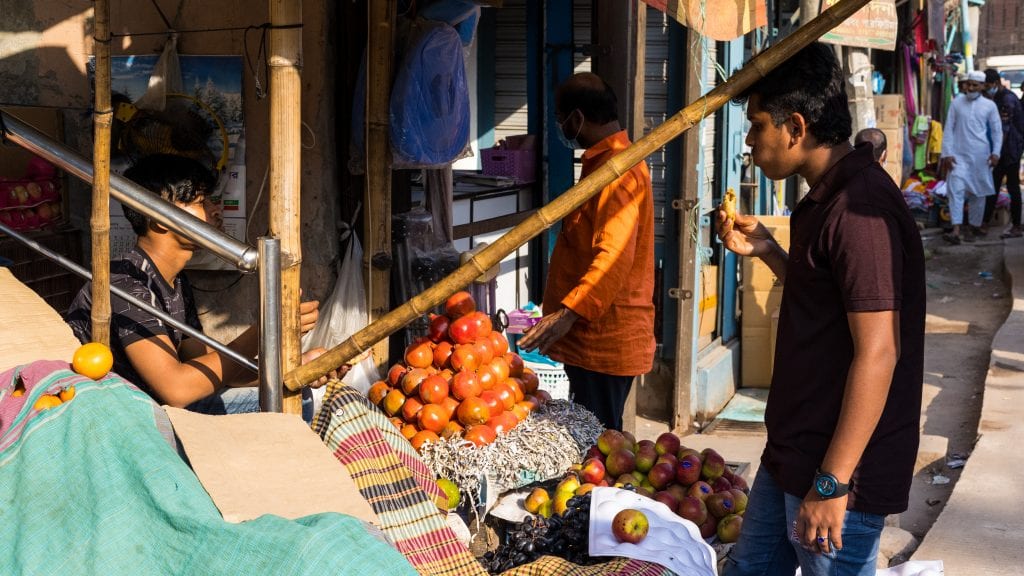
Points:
(554, 566)
(396, 483)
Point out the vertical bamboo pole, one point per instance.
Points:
(285, 158)
(99, 222)
(377, 194)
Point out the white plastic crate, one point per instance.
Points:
(553, 379)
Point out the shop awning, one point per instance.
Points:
(718, 20)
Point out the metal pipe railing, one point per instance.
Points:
(271, 396)
(80, 271)
(226, 247)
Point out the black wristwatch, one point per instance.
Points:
(827, 486)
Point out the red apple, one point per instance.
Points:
(630, 525)
(661, 475)
(666, 498)
(720, 484)
(438, 327)
(620, 461)
(739, 500)
(720, 504)
(693, 509)
(459, 304)
(700, 489)
(714, 464)
(593, 471)
(729, 528)
(667, 443)
(610, 440)
(646, 457)
(688, 470)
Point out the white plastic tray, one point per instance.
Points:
(671, 541)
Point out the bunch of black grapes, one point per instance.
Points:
(566, 536)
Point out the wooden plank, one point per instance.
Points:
(490, 225)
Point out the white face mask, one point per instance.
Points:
(571, 144)
(972, 95)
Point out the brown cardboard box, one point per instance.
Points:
(758, 306)
(894, 153)
(756, 274)
(889, 111)
(707, 308)
(755, 358)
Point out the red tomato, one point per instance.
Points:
(495, 404)
(465, 385)
(412, 380)
(378, 391)
(473, 411)
(499, 366)
(438, 328)
(442, 352)
(515, 364)
(530, 381)
(543, 397)
(433, 390)
(464, 330)
(508, 397)
(486, 377)
(483, 323)
(503, 422)
(410, 409)
(419, 355)
(484, 350)
(498, 343)
(433, 417)
(393, 402)
(520, 411)
(517, 389)
(450, 406)
(464, 357)
(422, 437)
(409, 430)
(452, 428)
(459, 304)
(481, 435)
(395, 374)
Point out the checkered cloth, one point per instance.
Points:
(555, 566)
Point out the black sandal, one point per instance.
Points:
(951, 238)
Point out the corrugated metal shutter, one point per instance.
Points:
(510, 113)
(655, 108)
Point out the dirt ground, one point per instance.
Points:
(968, 300)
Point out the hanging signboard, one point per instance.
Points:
(718, 20)
(873, 26)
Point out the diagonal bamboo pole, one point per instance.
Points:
(685, 119)
(99, 222)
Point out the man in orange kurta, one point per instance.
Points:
(598, 302)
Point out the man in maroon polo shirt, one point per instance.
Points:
(843, 412)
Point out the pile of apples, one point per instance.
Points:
(698, 486)
(460, 380)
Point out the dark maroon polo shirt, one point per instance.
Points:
(854, 247)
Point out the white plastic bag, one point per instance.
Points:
(342, 315)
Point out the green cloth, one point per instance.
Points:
(91, 487)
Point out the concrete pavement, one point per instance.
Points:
(981, 529)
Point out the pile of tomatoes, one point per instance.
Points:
(460, 380)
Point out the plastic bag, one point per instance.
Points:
(342, 315)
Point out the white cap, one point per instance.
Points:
(977, 76)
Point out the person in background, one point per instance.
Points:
(170, 366)
(876, 138)
(1008, 167)
(844, 406)
(599, 298)
(973, 137)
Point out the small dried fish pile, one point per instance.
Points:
(541, 447)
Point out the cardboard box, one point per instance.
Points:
(889, 111)
(707, 306)
(755, 358)
(756, 274)
(894, 154)
(758, 305)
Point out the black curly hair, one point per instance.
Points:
(173, 178)
(810, 83)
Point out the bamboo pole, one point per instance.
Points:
(377, 192)
(99, 222)
(285, 176)
(685, 119)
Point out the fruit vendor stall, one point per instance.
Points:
(459, 429)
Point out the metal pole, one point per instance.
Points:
(163, 316)
(965, 30)
(231, 250)
(271, 396)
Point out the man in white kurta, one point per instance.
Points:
(972, 138)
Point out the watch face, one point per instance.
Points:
(825, 485)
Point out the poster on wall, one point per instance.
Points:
(205, 122)
(873, 26)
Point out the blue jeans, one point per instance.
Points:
(767, 547)
(229, 401)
